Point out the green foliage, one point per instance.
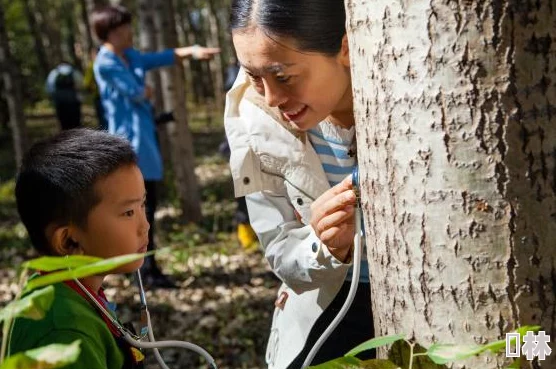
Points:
(34, 306)
(374, 343)
(52, 263)
(438, 353)
(99, 267)
(350, 362)
(46, 357)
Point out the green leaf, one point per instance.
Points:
(51, 263)
(34, 306)
(350, 362)
(102, 266)
(374, 343)
(516, 364)
(379, 364)
(499, 345)
(47, 357)
(523, 330)
(442, 354)
(346, 362)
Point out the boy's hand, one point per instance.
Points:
(333, 219)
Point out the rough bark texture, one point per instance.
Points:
(215, 66)
(85, 32)
(456, 129)
(148, 35)
(11, 85)
(28, 6)
(173, 87)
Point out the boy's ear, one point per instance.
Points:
(344, 51)
(61, 241)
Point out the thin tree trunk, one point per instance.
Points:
(183, 158)
(456, 132)
(69, 39)
(11, 84)
(216, 65)
(147, 41)
(91, 5)
(85, 31)
(51, 30)
(28, 6)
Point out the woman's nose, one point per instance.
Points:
(274, 95)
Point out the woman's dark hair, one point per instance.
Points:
(55, 184)
(106, 19)
(316, 25)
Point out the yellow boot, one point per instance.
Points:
(247, 237)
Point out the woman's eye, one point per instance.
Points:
(255, 79)
(283, 79)
(129, 213)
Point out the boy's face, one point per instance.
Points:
(117, 225)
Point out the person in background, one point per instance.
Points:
(63, 86)
(90, 85)
(120, 70)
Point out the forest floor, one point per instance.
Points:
(226, 295)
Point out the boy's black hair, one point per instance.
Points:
(106, 19)
(55, 184)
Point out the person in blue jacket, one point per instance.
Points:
(120, 70)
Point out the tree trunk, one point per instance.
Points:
(85, 31)
(147, 41)
(91, 5)
(216, 66)
(183, 158)
(28, 6)
(11, 81)
(455, 109)
(49, 20)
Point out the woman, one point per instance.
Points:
(289, 120)
(120, 71)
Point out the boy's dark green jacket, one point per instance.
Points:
(70, 318)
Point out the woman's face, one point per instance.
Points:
(307, 87)
(122, 37)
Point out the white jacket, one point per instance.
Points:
(281, 174)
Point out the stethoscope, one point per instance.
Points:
(146, 329)
(355, 278)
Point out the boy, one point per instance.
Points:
(81, 192)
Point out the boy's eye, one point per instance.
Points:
(129, 213)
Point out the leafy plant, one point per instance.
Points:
(38, 300)
(437, 353)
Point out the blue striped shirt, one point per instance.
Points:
(333, 144)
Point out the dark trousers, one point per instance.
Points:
(241, 215)
(356, 327)
(99, 110)
(149, 265)
(68, 114)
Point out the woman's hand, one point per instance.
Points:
(196, 52)
(333, 219)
